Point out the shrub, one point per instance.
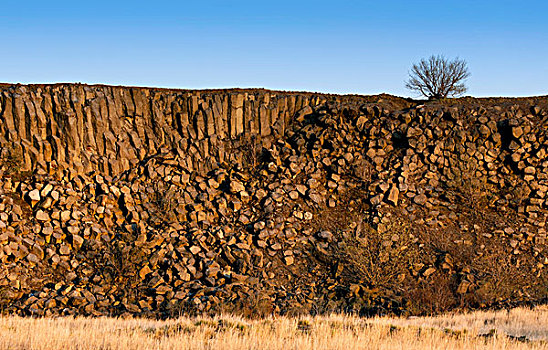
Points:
(379, 259)
(11, 160)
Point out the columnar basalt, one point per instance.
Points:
(120, 200)
(80, 128)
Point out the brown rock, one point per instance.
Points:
(325, 235)
(42, 216)
(34, 196)
(420, 199)
(517, 131)
(394, 194)
(429, 271)
(144, 271)
(236, 187)
(33, 258)
(289, 260)
(77, 241)
(463, 287)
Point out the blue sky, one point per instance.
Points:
(364, 47)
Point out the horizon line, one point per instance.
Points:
(418, 98)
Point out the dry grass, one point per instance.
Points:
(467, 331)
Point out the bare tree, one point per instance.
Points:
(437, 77)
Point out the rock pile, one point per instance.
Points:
(357, 206)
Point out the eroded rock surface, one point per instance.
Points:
(153, 202)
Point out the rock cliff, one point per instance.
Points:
(118, 200)
(80, 128)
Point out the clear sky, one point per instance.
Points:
(364, 47)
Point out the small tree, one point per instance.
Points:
(437, 77)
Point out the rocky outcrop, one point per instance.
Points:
(154, 202)
(79, 128)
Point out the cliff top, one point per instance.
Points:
(384, 97)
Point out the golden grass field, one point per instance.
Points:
(519, 328)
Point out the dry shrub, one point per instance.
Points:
(468, 185)
(363, 170)
(117, 262)
(249, 152)
(433, 297)
(163, 200)
(387, 260)
(255, 304)
(10, 159)
(379, 259)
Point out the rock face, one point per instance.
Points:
(79, 128)
(153, 202)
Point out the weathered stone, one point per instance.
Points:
(393, 196)
(530, 170)
(42, 216)
(463, 287)
(46, 190)
(236, 186)
(429, 271)
(289, 260)
(33, 258)
(77, 241)
(144, 271)
(517, 131)
(325, 235)
(34, 196)
(420, 199)
(65, 215)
